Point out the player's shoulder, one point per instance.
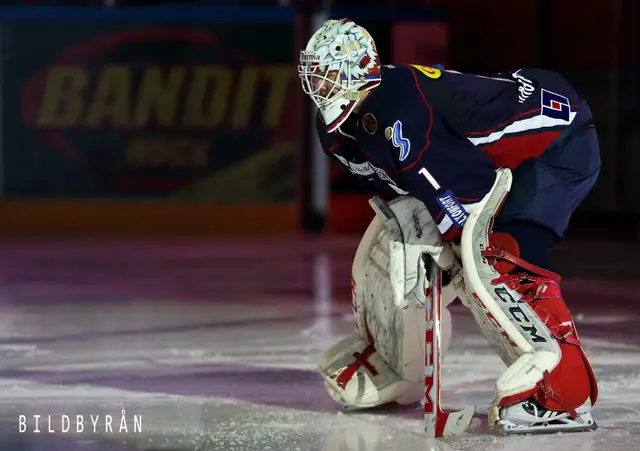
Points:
(397, 98)
(409, 89)
(395, 119)
(398, 85)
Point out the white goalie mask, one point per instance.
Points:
(338, 68)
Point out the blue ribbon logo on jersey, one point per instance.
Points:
(395, 135)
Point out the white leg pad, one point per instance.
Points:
(384, 360)
(367, 387)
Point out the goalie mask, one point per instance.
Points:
(338, 68)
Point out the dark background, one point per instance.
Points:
(594, 43)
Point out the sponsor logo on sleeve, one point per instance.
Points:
(526, 87)
(452, 208)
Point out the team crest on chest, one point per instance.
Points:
(369, 123)
(394, 134)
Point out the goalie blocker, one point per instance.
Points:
(549, 385)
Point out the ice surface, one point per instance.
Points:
(205, 373)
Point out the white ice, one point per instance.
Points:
(91, 329)
(241, 376)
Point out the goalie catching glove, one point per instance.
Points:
(383, 360)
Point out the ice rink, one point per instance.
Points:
(211, 345)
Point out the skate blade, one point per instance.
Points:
(545, 430)
(347, 408)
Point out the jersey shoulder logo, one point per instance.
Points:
(394, 134)
(430, 72)
(555, 106)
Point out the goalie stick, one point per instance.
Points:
(438, 424)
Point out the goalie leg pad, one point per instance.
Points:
(384, 360)
(357, 377)
(572, 381)
(523, 317)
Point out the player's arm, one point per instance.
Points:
(335, 144)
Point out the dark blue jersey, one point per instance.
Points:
(440, 135)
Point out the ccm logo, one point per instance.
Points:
(515, 310)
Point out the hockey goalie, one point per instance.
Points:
(479, 174)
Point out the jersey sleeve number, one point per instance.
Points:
(430, 178)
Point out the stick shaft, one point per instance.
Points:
(432, 350)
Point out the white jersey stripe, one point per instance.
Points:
(532, 123)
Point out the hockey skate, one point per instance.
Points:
(529, 417)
